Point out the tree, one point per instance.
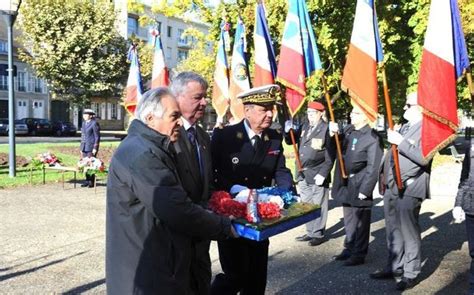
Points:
(74, 45)
(402, 25)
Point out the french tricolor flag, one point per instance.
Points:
(443, 61)
(299, 57)
(220, 90)
(265, 64)
(134, 83)
(239, 79)
(359, 79)
(159, 76)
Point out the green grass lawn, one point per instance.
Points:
(68, 153)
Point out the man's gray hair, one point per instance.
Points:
(180, 82)
(150, 103)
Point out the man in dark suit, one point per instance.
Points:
(317, 157)
(90, 140)
(362, 151)
(248, 155)
(193, 151)
(402, 208)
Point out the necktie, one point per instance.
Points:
(257, 143)
(191, 132)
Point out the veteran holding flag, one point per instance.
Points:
(248, 155)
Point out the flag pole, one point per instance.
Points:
(469, 84)
(388, 106)
(292, 134)
(336, 136)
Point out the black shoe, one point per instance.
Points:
(384, 274)
(406, 284)
(303, 238)
(85, 184)
(316, 241)
(353, 261)
(343, 256)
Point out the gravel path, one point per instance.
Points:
(52, 241)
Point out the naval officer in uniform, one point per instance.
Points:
(248, 155)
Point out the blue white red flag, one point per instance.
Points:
(220, 90)
(265, 63)
(134, 83)
(443, 61)
(239, 79)
(365, 50)
(159, 75)
(299, 57)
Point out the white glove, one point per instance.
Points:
(362, 196)
(289, 125)
(319, 179)
(237, 188)
(458, 214)
(242, 196)
(94, 152)
(394, 137)
(333, 128)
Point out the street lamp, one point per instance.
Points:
(9, 11)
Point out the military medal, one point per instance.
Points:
(235, 160)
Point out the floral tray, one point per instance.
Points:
(296, 215)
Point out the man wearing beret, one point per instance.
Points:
(90, 140)
(248, 155)
(317, 155)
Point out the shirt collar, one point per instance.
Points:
(250, 132)
(186, 124)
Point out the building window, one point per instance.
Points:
(182, 40)
(113, 111)
(169, 53)
(95, 107)
(182, 55)
(132, 26)
(103, 111)
(170, 32)
(21, 80)
(3, 82)
(31, 83)
(38, 85)
(3, 46)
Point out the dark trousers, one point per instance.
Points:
(201, 273)
(470, 241)
(357, 227)
(244, 263)
(403, 233)
(90, 178)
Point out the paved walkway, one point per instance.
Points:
(52, 241)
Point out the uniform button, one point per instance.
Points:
(302, 155)
(264, 177)
(246, 179)
(215, 170)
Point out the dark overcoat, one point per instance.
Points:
(316, 151)
(90, 136)
(362, 151)
(150, 221)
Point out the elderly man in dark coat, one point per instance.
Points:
(150, 221)
(362, 151)
(317, 153)
(248, 155)
(90, 140)
(402, 208)
(193, 150)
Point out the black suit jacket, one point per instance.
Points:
(236, 162)
(196, 185)
(316, 151)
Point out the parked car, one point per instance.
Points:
(20, 128)
(64, 128)
(38, 126)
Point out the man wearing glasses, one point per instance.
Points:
(402, 208)
(316, 153)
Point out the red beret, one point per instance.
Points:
(316, 106)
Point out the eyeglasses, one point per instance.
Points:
(409, 105)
